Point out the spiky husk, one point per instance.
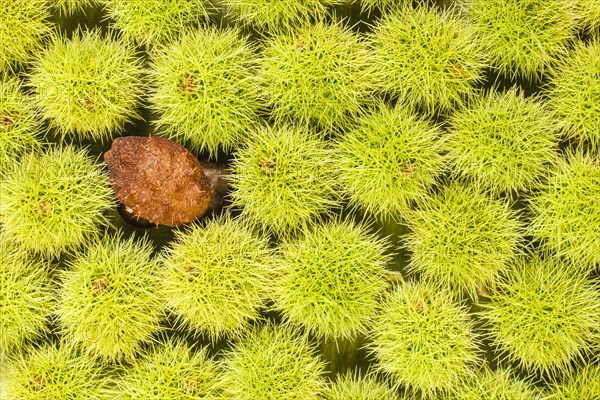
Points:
(589, 14)
(559, 308)
(523, 37)
(20, 129)
(574, 93)
(383, 5)
(277, 15)
(70, 7)
(109, 299)
(462, 238)
(88, 86)
(54, 201)
(152, 22)
(425, 340)
(169, 370)
(53, 372)
(217, 276)
(565, 212)
(317, 73)
(498, 384)
(26, 300)
(24, 26)
(331, 280)
(582, 384)
(205, 89)
(389, 159)
(273, 363)
(427, 57)
(283, 179)
(354, 386)
(503, 141)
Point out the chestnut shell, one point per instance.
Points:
(160, 180)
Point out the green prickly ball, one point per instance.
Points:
(53, 372)
(273, 363)
(574, 93)
(205, 89)
(462, 238)
(283, 179)
(389, 159)
(503, 141)
(425, 340)
(317, 74)
(20, 129)
(429, 58)
(169, 370)
(498, 384)
(25, 298)
(559, 307)
(70, 7)
(581, 384)
(331, 280)
(152, 22)
(589, 14)
(384, 5)
(89, 86)
(217, 276)
(23, 29)
(109, 300)
(523, 37)
(565, 212)
(53, 202)
(354, 386)
(277, 15)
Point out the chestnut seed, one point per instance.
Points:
(159, 181)
(132, 219)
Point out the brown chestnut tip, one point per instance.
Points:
(132, 219)
(158, 180)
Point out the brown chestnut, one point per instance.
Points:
(160, 181)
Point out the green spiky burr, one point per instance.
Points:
(354, 386)
(383, 5)
(544, 315)
(523, 38)
(427, 57)
(53, 372)
(273, 363)
(283, 179)
(499, 384)
(23, 29)
(503, 141)
(169, 370)
(152, 22)
(565, 212)
(317, 74)
(217, 276)
(462, 238)
(582, 384)
(589, 14)
(331, 280)
(109, 301)
(53, 202)
(20, 129)
(70, 7)
(277, 15)
(25, 298)
(88, 86)
(389, 159)
(205, 89)
(574, 93)
(425, 340)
